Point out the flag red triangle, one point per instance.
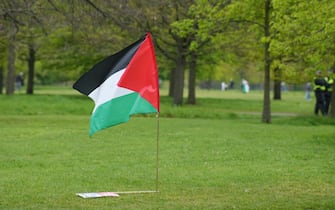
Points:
(141, 74)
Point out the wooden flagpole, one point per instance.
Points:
(157, 152)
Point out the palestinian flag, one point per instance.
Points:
(122, 84)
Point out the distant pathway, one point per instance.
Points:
(272, 113)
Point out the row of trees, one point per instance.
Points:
(281, 40)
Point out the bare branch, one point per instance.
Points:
(96, 8)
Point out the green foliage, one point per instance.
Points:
(183, 28)
(302, 35)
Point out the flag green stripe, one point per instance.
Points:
(119, 110)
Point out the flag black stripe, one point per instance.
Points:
(105, 68)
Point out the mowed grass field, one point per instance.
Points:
(213, 155)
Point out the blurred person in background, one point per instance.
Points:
(329, 89)
(319, 87)
(308, 90)
(19, 82)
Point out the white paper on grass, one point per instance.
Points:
(97, 194)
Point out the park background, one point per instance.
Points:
(218, 149)
(267, 42)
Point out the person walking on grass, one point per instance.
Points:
(19, 82)
(308, 90)
(245, 86)
(319, 87)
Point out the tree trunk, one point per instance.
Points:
(277, 84)
(277, 90)
(171, 85)
(191, 79)
(266, 101)
(31, 70)
(1, 79)
(178, 88)
(10, 80)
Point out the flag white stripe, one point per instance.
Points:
(109, 90)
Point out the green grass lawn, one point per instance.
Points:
(213, 155)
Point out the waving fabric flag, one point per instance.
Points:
(122, 84)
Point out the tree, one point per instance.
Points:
(175, 47)
(3, 47)
(208, 21)
(9, 12)
(158, 17)
(11, 60)
(266, 116)
(256, 16)
(17, 16)
(33, 29)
